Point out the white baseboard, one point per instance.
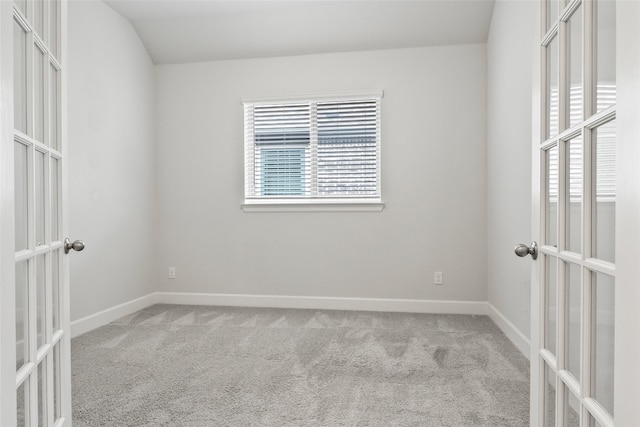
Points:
(88, 323)
(93, 321)
(326, 303)
(509, 329)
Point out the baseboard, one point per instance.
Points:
(326, 303)
(93, 321)
(509, 329)
(88, 323)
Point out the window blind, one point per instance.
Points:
(320, 149)
(348, 148)
(604, 155)
(282, 136)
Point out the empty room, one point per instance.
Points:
(319, 213)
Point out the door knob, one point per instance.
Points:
(77, 245)
(523, 250)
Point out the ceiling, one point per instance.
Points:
(179, 31)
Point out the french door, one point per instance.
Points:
(35, 360)
(576, 211)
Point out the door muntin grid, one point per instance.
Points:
(38, 161)
(578, 211)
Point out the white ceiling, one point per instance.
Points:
(178, 31)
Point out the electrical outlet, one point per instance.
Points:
(437, 278)
(172, 272)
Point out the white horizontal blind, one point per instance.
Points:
(606, 147)
(282, 137)
(553, 111)
(605, 155)
(348, 148)
(325, 149)
(605, 162)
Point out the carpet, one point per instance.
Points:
(200, 366)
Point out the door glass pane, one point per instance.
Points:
(53, 27)
(593, 422)
(552, 197)
(575, 67)
(21, 171)
(574, 316)
(40, 198)
(22, 313)
(57, 391)
(38, 93)
(552, 88)
(553, 8)
(22, 398)
(574, 196)
(571, 409)
(604, 293)
(53, 108)
(55, 287)
(38, 16)
(55, 205)
(549, 397)
(552, 308)
(21, 4)
(605, 54)
(40, 299)
(604, 199)
(20, 78)
(42, 392)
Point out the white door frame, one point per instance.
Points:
(627, 288)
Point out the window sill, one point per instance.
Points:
(313, 206)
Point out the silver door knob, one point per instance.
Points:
(523, 250)
(77, 245)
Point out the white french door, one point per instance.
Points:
(35, 361)
(576, 212)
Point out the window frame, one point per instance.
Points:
(311, 204)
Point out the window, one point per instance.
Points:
(323, 151)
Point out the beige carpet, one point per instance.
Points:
(202, 366)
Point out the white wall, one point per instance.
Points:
(111, 159)
(433, 181)
(509, 126)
